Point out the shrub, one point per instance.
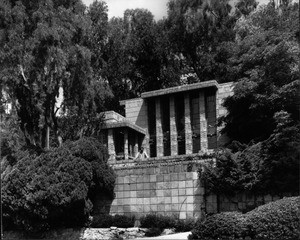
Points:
(153, 232)
(227, 226)
(272, 221)
(184, 225)
(106, 221)
(92, 151)
(157, 221)
(47, 191)
(53, 189)
(276, 220)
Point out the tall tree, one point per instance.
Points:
(197, 29)
(45, 47)
(265, 66)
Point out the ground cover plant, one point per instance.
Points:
(156, 223)
(272, 221)
(106, 221)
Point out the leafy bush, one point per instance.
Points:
(272, 221)
(267, 167)
(157, 221)
(106, 221)
(53, 189)
(93, 151)
(276, 220)
(47, 191)
(153, 232)
(227, 226)
(184, 225)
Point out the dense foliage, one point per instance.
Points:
(46, 46)
(265, 67)
(276, 220)
(270, 166)
(54, 189)
(263, 114)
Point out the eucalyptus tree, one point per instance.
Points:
(45, 46)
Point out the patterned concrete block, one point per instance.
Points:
(189, 175)
(189, 184)
(167, 177)
(126, 201)
(132, 186)
(140, 200)
(126, 194)
(153, 208)
(182, 215)
(190, 199)
(160, 200)
(175, 199)
(160, 178)
(153, 185)
(189, 207)
(174, 207)
(168, 193)
(181, 192)
(146, 186)
(189, 191)
(140, 186)
(133, 194)
(160, 193)
(181, 176)
(153, 178)
(182, 184)
(174, 192)
(175, 184)
(161, 208)
(168, 207)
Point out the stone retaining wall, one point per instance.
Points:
(241, 202)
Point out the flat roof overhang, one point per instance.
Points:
(183, 88)
(124, 124)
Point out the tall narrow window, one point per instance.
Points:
(180, 123)
(119, 143)
(165, 113)
(152, 127)
(195, 121)
(210, 106)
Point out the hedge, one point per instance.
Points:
(272, 221)
(276, 220)
(227, 225)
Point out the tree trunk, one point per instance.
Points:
(47, 145)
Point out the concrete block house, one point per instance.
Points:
(176, 127)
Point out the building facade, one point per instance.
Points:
(177, 127)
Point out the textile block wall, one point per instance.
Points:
(167, 188)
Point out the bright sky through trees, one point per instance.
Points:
(158, 8)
